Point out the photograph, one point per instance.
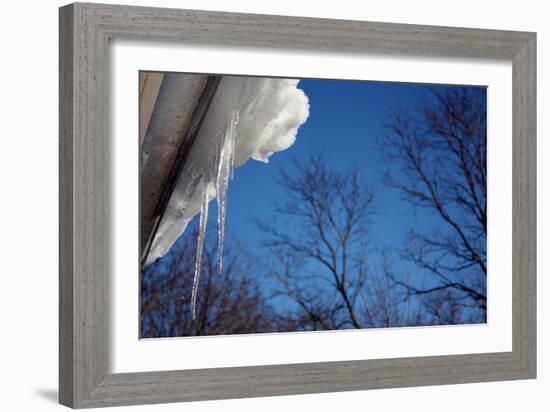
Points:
(278, 205)
(275, 206)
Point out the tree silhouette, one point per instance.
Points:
(440, 150)
(320, 256)
(228, 302)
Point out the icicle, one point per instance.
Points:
(222, 166)
(225, 169)
(234, 124)
(200, 244)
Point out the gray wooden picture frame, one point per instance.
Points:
(85, 32)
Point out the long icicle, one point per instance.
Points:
(225, 169)
(234, 124)
(200, 244)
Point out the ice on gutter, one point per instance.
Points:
(169, 134)
(248, 118)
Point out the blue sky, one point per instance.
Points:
(347, 120)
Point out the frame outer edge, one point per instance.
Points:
(84, 214)
(524, 207)
(66, 212)
(84, 194)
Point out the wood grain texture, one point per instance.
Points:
(85, 30)
(524, 213)
(66, 240)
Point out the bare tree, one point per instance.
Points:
(229, 302)
(320, 261)
(440, 152)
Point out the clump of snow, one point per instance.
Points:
(248, 118)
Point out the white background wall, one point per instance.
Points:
(28, 228)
